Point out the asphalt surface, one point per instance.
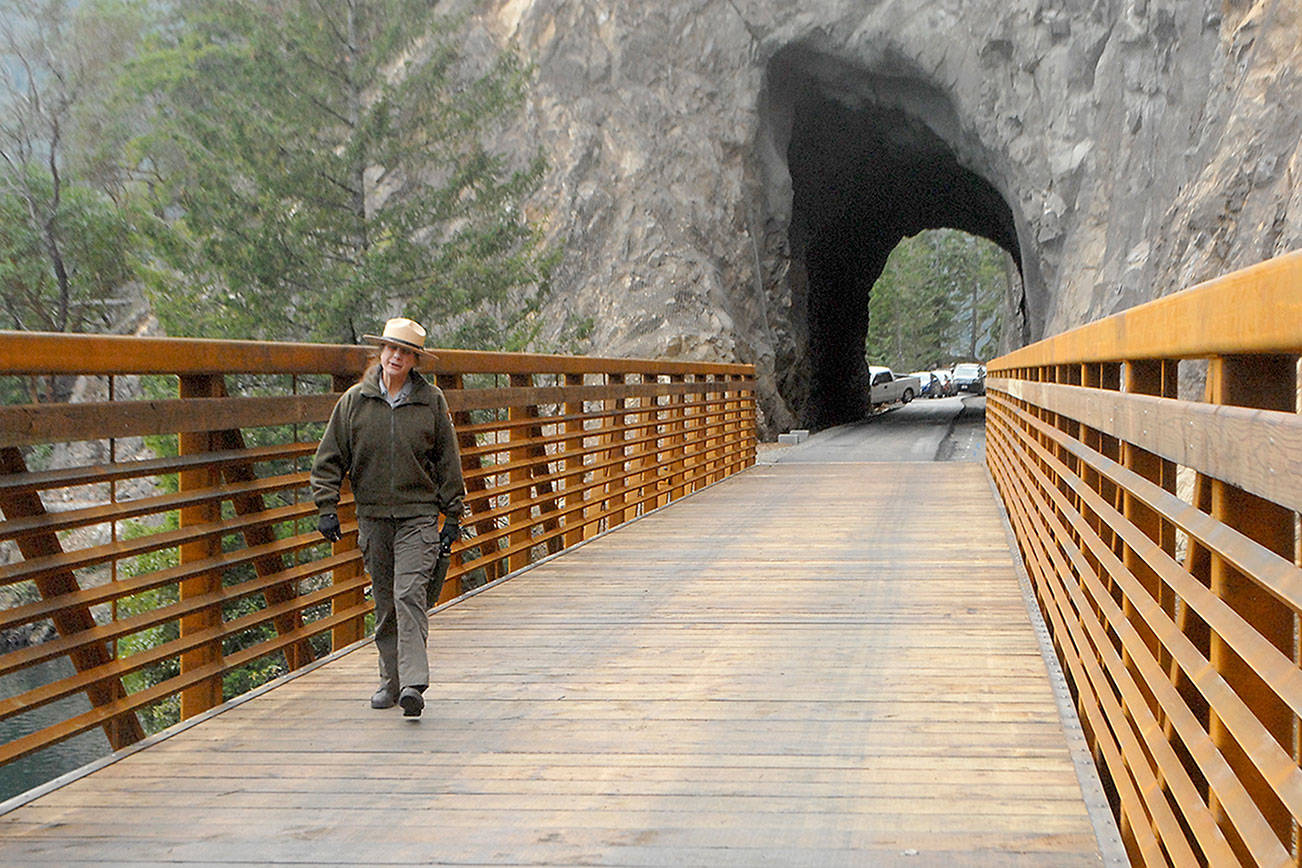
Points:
(940, 429)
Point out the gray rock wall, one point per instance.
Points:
(727, 176)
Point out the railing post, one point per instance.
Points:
(728, 405)
(1147, 377)
(1091, 376)
(663, 446)
(477, 495)
(518, 453)
(709, 430)
(1267, 383)
(538, 467)
(300, 653)
(353, 629)
(744, 424)
(617, 455)
(632, 456)
(574, 472)
(453, 584)
(645, 452)
(598, 479)
(677, 438)
(207, 693)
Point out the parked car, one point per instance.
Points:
(929, 385)
(970, 377)
(886, 388)
(947, 388)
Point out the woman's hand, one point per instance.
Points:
(328, 525)
(448, 535)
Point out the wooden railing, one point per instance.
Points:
(1161, 537)
(159, 526)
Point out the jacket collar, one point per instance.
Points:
(420, 387)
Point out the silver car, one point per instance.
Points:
(970, 377)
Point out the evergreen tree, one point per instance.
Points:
(938, 300)
(321, 167)
(65, 236)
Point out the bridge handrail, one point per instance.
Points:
(194, 565)
(1160, 534)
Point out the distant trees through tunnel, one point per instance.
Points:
(939, 300)
(873, 159)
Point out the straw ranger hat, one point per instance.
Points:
(402, 332)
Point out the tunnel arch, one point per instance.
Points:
(866, 157)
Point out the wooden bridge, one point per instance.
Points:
(802, 662)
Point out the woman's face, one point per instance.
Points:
(396, 362)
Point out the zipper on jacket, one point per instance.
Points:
(393, 453)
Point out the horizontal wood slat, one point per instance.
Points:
(507, 396)
(123, 549)
(125, 509)
(57, 353)
(1256, 310)
(44, 423)
(600, 439)
(576, 511)
(1207, 436)
(26, 425)
(96, 474)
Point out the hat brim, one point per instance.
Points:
(395, 342)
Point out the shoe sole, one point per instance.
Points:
(412, 705)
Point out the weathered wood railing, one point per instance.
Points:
(1161, 537)
(193, 554)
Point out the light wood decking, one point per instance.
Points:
(803, 665)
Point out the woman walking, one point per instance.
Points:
(392, 436)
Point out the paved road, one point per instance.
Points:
(944, 429)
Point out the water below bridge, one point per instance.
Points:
(825, 660)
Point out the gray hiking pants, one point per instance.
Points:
(400, 554)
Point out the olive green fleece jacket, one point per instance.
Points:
(402, 461)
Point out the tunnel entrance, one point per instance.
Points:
(872, 158)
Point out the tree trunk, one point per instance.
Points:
(972, 342)
(357, 171)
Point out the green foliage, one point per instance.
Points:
(325, 166)
(163, 714)
(255, 674)
(937, 301)
(67, 232)
(93, 238)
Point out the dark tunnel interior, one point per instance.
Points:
(866, 174)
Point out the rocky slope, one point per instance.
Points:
(728, 176)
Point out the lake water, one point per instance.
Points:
(45, 765)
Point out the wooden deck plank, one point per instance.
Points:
(793, 667)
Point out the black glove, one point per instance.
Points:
(328, 524)
(448, 535)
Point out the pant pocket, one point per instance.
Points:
(429, 538)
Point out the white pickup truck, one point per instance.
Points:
(887, 388)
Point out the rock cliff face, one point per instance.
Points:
(728, 176)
